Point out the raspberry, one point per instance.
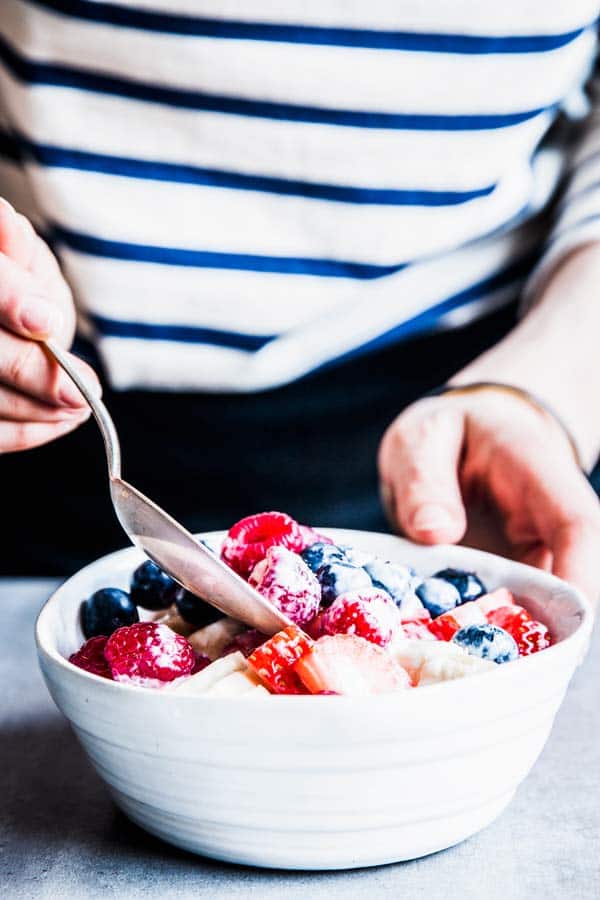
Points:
(273, 662)
(530, 635)
(286, 581)
(148, 654)
(310, 537)
(246, 642)
(249, 539)
(370, 614)
(91, 658)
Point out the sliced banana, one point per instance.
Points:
(428, 662)
(449, 668)
(238, 684)
(212, 640)
(208, 677)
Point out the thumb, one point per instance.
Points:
(17, 237)
(418, 464)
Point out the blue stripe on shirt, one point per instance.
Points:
(423, 321)
(194, 26)
(513, 274)
(50, 74)
(209, 259)
(20, 149)
(185, 334)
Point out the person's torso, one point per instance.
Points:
(242, 191)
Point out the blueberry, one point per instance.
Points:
(397, 580)
(196, 611)
(438, 596)
(487, 642)
(151, 588)
(320, 554)
(107, 610)
(357, 557)
(468, 585)
(338, 577)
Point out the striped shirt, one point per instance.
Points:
(244, 191)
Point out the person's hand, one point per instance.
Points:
(38, 402)
(445, 454)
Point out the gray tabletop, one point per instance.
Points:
(61, 836)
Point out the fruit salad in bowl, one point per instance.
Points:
(357, 618)
(406, 676)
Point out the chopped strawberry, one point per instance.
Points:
(249, 539)
(310, 537)
(495, 600)
(274, 660)
(347, 664)
(370, 614)
(530, 635)
(444, 627)
(506, 616)
(418, 629)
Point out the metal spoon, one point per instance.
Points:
(164, 540)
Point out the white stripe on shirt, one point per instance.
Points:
(240, 205)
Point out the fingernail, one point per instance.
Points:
(70, 413)
(88, 375)
(432, 518)
(69, 394)
(38, 318)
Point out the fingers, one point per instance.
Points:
(538, 556)
(23, 309)
(35, 300)
(38, 401)
(17, 236)
(566, 514)
(16, 436)
(575, 543)
(17, 407)
(28, 369)
(576, 557)
(419, 463)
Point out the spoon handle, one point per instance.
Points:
(164, 540)
(100, 412)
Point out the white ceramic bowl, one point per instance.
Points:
(320, 782)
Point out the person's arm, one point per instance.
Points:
(38, 402)
(444, 455)
(554, 352)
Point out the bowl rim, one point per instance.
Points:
(580, 635)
